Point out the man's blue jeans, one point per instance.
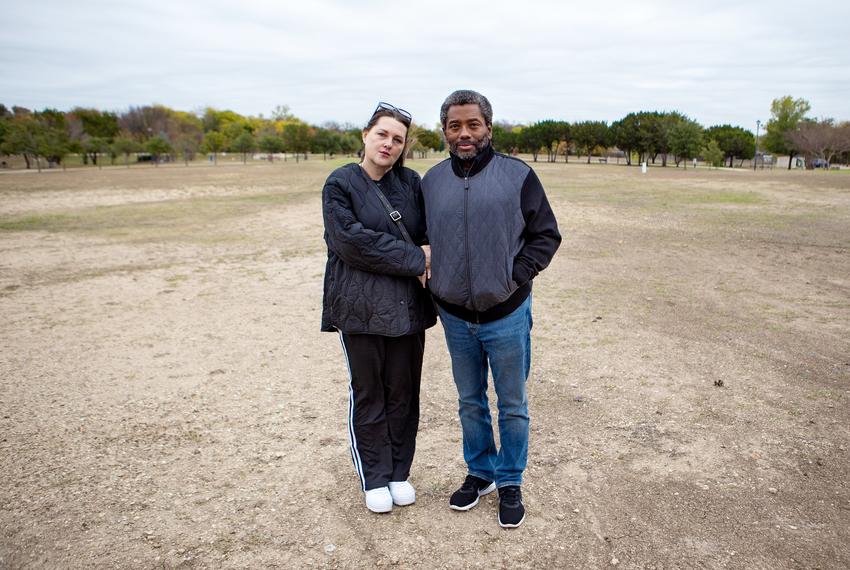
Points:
(505, 346)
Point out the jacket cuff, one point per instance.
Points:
(416, 261)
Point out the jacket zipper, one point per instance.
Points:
(466, 243)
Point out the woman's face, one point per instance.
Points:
(384, 142)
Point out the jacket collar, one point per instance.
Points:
(464, 169)
(387, 179)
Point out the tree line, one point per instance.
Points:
(156, 133)
(648, 136)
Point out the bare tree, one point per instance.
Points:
(842, 139)
(145, 122)
(820, 139)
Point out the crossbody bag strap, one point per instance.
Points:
(394, 214)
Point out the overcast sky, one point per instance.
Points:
(718, 61)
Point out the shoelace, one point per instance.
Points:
(510, 496)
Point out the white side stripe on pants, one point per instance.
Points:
(352, 439)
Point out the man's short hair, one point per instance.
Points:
(467, 97)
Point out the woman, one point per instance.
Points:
(374, 296)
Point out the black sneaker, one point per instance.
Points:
(467, 496)
(511, 509)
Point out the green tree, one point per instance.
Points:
(735, 142)
(244, 143)
(95, 123)
(786, 114)
(532, 139)
(35, 136)
(712, 153)
(565, 137)
(662, 125)
(325, 141)
(5, 117)
(21, 138)
(626, 135)
(590, 135)
(651, 140)
(426, 140)
(235, 130)
(221, 121)
(505, 139)
(214, 142)
(685, 140)
(158, 146)
(296, 138)
(52, 142)
(645, 133)
(350, 141)
(270, 144)
(126, 146)
(550, 134)
(94, 147)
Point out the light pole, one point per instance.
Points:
(756, 154)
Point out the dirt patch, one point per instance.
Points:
(166, 399)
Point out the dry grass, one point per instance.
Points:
(166, 399)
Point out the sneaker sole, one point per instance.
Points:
(485, 491)
(403, 504)
(501, 524)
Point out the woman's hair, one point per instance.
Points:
(404, 120)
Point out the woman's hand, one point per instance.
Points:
(426, 249)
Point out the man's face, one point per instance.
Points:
(466, 131)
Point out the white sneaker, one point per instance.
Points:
(402, 492)
(379, 500)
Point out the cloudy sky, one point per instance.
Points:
(718, 62)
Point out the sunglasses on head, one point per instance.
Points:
(387, 107)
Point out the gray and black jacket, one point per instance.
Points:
(491, 231)
(370, 278)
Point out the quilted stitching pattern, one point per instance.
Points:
(379, 296)
(495, 224)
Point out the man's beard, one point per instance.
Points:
(479, 145)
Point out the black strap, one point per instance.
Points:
(395, 215)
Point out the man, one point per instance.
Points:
(491, 231)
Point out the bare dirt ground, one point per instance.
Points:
(166, 399)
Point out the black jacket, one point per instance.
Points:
(371, 283)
